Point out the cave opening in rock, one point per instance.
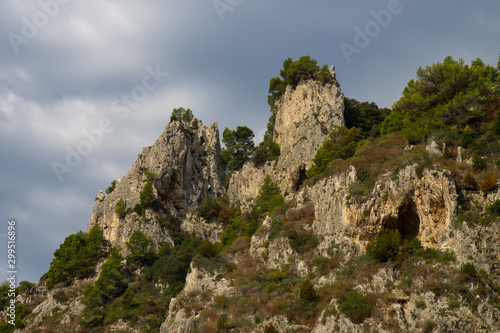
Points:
(299, 177)
(407, 221)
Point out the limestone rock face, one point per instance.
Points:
(183, 168)
(420, 207)
(304, 118)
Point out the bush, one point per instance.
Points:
(489, 184)
(420, 304)
(340, 144)
(468, 272)
(111, 188)
(270, 329)
(478, 163)
(494, 208)
(355, 306)
(269, 197)
(385, 246)
(470, 182)
(209, 209)
(301, 242)
(307, 292)
(222, 323)
(208, 249)
(120, 209)
(147, 195)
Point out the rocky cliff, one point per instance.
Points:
(304, 118)
(305, 267)
(183, 168)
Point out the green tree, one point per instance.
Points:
(239, 146)
(121, 209)
(182, 115)
(365, 116)
(141, 249)
(340, 144)
(293, 72)
(269, 197)
(77, 257)
(444, 95)
(147, 195)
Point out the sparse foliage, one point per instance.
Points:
(185, 116)
(341, 144)
(385, 246)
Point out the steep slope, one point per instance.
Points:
(304, 118)
(389, 240)
(183, 168)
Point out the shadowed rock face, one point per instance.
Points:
(304, 118)
(181, 165)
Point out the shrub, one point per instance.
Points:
(301, 242)
(420, 304)
(111, 188)
(270, 329)
(307, 292)
(428, 326)
(489, 184)
(478, 163)
(222, 323)
(340, 144)
(468, 272)
(207, 249)
(355, 306)
(147, 195)
(269, 197)
(494, 208)
(385, 246)
(209, 208)
(470, 182)
(120, 209)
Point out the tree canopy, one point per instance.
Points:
(182, 115)
(445, 95)
(77, 257)
(365, 116)
(239, 146)
(295, 71)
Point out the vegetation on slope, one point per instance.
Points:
(450, 102)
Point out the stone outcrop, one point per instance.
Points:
(417, 206)
(304, 118)
(183, 168)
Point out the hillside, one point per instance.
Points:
(346, 218)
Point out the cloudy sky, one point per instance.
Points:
(84, 85)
